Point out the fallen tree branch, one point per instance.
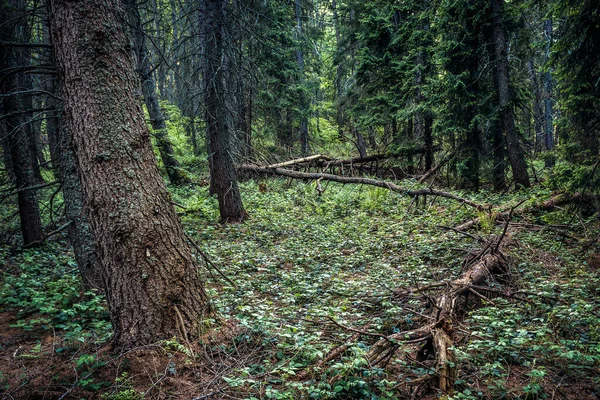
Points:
(34, 187)
(333, 354)
(358, 180)
(301, 160)
(437, 167)
(54, 232)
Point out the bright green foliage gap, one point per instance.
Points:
(302, 259)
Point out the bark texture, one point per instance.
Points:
(150, 279)
(223, 177)
(516, 155)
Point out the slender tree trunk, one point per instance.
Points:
(50, 85)
(499, 167)
(408, 132)
(157, 119)
(361, 145)
(548, 112)
(538, 112)
(12, 26)
(303, 126)
(5, 143)
(339, 116)
(246, 123)
(150, 279)
(371, 138)
(223, 179)
(25, 83)
(158, 61)
(515, 152)
(428, 140)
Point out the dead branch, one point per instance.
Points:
(555, 201)
(437, 167)
(358, 180)
(333, 354)
(54, 232)
(34, 187)
(300, 161)
(208, 261)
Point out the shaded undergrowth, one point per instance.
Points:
(307, 267)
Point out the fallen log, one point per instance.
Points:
(439, 333)
(358, 180)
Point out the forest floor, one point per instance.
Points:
(315, 282)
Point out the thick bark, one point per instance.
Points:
(80, 231)
(515, 152)
(16, 124)
(157, 119)
(150, 279)
(65, 168)
(223, 179)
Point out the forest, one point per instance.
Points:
(301, 199)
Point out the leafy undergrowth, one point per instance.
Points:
(305, 269)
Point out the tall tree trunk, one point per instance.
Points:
(515, 152)
(499, 167)
(303, 126)
(223, 179)
(157, 119)
(538, 112)
(339, 112)
(65, 167)
(25, 82)
(12, 25)
(361, 145)
(371, 137)
(80, 231)
(50, 85)
(246, 123)
(150, 278)
(5, 143)
(161, 68)
(548, 112)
